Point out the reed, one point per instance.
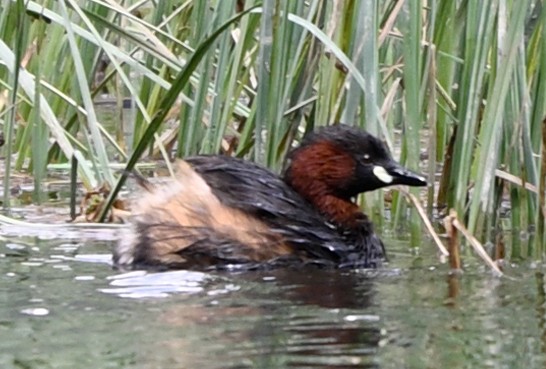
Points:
(460, 83)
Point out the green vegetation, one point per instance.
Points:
(462, 80)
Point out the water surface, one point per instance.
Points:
(63, 306)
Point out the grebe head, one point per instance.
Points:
(338, 162)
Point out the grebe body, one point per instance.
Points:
(224, 212)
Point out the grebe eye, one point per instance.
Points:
(366, 156)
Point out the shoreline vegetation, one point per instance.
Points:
(455, 88)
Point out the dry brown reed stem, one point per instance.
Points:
(4, 96)
(474, 243)
(515, 180)
(453, 236)
(389, 24)
(441, 198)
(500, 249)
(423, 214)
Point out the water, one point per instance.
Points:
(63, 306)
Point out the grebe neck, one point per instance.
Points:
(321, 173)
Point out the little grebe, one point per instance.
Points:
(224, 212)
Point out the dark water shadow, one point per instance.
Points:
(350, 336)
(284, 318)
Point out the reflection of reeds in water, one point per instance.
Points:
(453, 288)
(541, 307)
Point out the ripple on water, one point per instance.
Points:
(141, 284)
(35, 311)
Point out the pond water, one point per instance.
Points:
(63, 306)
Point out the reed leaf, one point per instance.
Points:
(491, 130)
(27, 83)
(168, 100)
(12, 60)
(458, 82)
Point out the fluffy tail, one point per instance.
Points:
(183, 224)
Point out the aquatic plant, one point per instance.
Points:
(458, 82)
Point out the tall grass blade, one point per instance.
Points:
(168, 100)
(480, 19)
(491, 130)
(12, 61)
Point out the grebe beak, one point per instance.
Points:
(393, 174)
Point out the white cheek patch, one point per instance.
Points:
(382, 174)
